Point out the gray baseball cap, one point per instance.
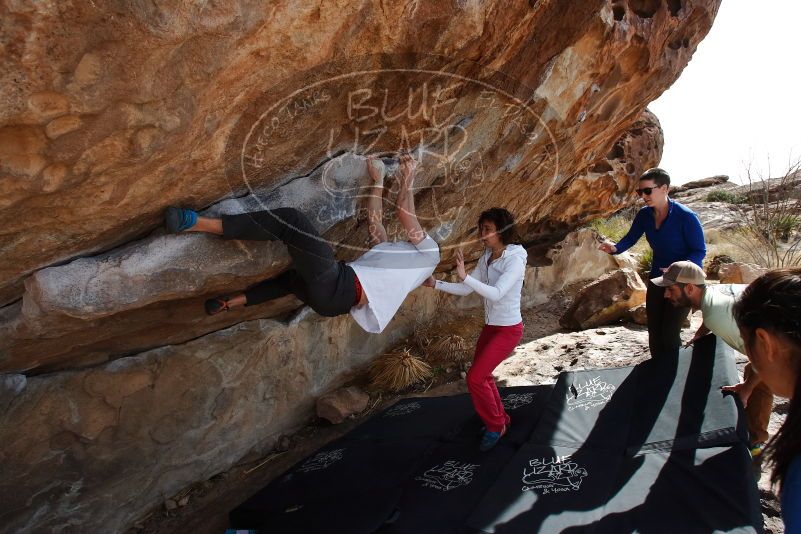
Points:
(681, 272)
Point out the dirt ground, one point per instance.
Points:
(544, 352)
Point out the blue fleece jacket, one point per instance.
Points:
(679, 238)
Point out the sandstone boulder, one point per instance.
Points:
(96, 447)
(638, 315)
(130, 394)
(740, 273)
(575, 258)
(703, 183)
(334, 407)
(149, 108)
(713, 265)
(605, 301)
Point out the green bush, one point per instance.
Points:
(612, 228)
(784, 226)
(645, 259)
(724, 196)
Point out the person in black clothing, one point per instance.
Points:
(328, 286)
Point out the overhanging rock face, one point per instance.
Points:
(526, 107)
(533, 106)
(145, 105)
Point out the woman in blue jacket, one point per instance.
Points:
(769, 316)
(675, 234)
(498, 278)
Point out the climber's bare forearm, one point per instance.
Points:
(408, 217)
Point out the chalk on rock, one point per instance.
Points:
(379, 166)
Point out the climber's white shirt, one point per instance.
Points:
(388, 272)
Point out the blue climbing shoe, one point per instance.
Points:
(216, 305)
(179, 219)
(491, 439)
(483, 429)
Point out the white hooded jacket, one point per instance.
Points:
(500, 284)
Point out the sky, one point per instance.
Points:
(739, 98)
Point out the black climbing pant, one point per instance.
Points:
(316, 278)
(664, 323)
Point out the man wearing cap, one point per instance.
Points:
(685, 285)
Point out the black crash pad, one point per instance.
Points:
(523, 404)
(446, 488)
(679, 404)
(418, 418)
(654, 448)
(344, 471)
(546, 489)
(590, 409)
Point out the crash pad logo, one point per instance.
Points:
(516, 400)
(553, 475)
(448, 476)
(592, 393)
(403, 409)
(321, 460)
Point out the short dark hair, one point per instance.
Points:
(682, 285)
(504, 223)
(659, 176)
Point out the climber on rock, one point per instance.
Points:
(371, 288)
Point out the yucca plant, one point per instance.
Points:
(645, 259)
(398, 371)
(448, 348)
(423, 336)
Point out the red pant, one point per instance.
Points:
(494, 345)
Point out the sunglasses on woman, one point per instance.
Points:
(646, 190)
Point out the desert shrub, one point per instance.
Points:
(449, 348)
(613, 228)
(785, 226)
(645, 259)
(771, 231)
(398, 370)
(725, 196)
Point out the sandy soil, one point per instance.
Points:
(544, 352)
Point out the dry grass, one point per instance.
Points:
(771, 228)
(398, 371)
(424, 334)
(450, 348)
(713, 236)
